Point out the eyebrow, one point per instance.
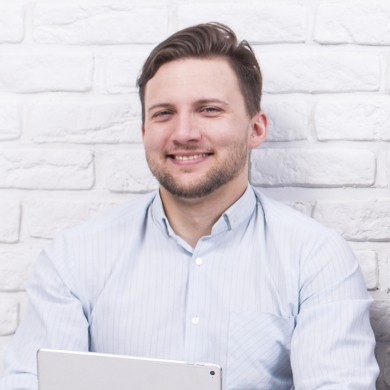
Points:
(159, 105)
(201, 101)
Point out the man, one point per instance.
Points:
(207, 268)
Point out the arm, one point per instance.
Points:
(333, 343)
(55, 318)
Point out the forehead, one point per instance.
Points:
(193, 77)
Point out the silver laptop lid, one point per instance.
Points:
(68, 370)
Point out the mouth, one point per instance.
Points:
(189, 158)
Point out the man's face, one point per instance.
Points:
(197, 132)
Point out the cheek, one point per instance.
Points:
(235, 136)
(224, 132)
(154, 140)
(148, 142)
(149, 145)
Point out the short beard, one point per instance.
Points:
(215, 178)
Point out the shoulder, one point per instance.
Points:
(109, 227)
(129, 212)
(279, 214)
(99, 244)
(305, 248)
(298, 232)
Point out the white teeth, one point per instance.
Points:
(188, 158)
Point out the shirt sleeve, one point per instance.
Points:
(333, 342)
(55, 318)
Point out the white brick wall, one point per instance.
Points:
(330, 167)
(49, 169)
(260, 22)
(360, 22)
(110, 23)
(11, 23)
(70, 141)
(81, 121)
(45, 72)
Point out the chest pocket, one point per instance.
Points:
(259, 352)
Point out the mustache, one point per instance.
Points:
(181, 147)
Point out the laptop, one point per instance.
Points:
(69, 370)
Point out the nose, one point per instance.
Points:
(185, 129)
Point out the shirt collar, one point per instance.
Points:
(237, 213)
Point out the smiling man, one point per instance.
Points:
(207, 268)
(197, 134)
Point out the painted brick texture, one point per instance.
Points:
(109, 23)
(11, 23)
(84, 122)
(319, 70)
(47, 169)
(263, 22)
(45, 72)
(358, 22)
(70, 122)
(10, 121)
(10, 221)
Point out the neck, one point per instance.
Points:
(192, 219)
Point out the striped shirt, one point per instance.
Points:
(270, 295)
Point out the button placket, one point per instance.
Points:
(194, 320)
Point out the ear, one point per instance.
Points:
(258, 130)
(143, 132)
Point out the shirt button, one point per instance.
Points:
(195, 320)
(198, 261)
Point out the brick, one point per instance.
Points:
(120, 178)
(45, 72)
(369, 265)
(312, 167)
(122, 70)
(47, 218)
(46, 169)
(380, 320)
(258, 23)
(113, 23)
(9, 316)
(10, 221)
(10, 121)
(383, 170)
(288, 120)
(85, 122)
(11, 23)
(361, 22)
(356, 220)
(353, 120)
(16, 265)
(319, 71)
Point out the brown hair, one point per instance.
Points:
(208, 40)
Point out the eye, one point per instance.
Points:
(211, 110)
(162, 115)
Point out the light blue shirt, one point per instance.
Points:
(273, 297)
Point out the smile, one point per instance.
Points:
(189, 158)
